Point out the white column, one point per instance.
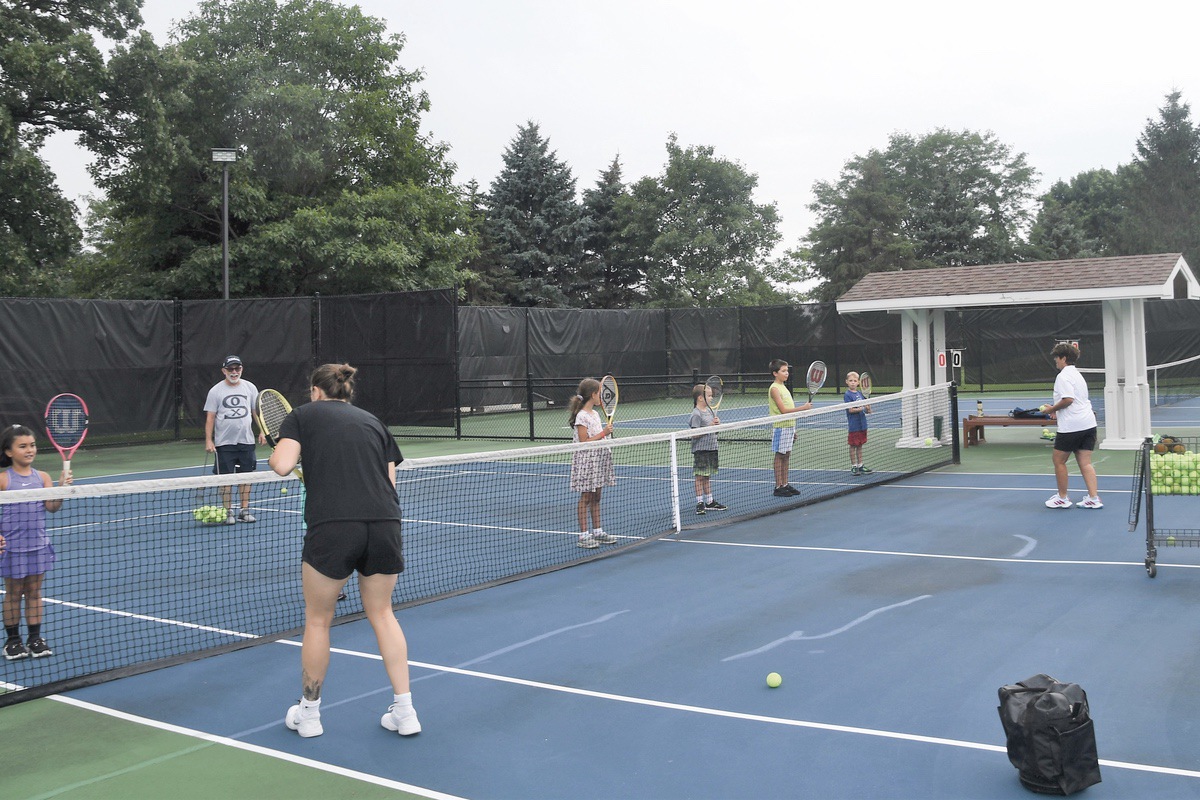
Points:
(1126, 394)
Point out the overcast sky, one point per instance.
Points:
(791, 90)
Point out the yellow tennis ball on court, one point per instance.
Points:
(774, 679)
(929, 442)
(283, 490)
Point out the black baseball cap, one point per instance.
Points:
(231, 361)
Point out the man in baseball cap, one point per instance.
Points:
(228, 433)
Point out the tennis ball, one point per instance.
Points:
(1045, 431)
(774, 679)
(1043, 407)
(929, 442)
(283, 490)
(199, 514)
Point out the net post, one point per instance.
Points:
(955, 452)
(675, 484)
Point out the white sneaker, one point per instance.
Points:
(306, 724)
(1058, 502)
(1091, 502)
(403, 722)
(230, 518)
(246, 516)
(587, 542)
(604, 538)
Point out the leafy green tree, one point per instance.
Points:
(51, 80)
(967, 197)
(1162, 185)
(535, 229)
(702, 238)
(859, 229)
(946, 198)
(335, 188)
(611, 274)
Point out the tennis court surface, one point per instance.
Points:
(892, 613)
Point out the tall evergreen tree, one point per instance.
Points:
(1162, 185)
(534, 225)
(611, 275)
(1081, 218)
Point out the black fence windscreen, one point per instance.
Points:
(428, 368)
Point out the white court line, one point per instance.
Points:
(945, 556)
(722, 713)
(252, 748)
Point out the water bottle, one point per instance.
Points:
(979, 408)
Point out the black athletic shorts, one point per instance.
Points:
(336, 549)
(1075, 441)
(233, 458)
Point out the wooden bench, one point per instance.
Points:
(973, 426)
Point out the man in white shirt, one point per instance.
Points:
(1076, 428)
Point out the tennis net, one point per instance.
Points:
(142, 580)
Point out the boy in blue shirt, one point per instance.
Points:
(856, 420)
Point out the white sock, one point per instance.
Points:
(699, 498)
(402, 701)
(310, 705)
(598, 532)
(708, 498)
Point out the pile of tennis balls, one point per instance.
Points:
(209, 514)
(1174, 470)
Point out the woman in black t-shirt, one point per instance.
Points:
(353, 518)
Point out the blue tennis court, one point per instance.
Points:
(893, 616)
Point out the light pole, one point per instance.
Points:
(224, 156)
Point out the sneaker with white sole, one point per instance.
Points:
(38, 648)
(246, 516)
(230, 518)
(700, 508)
(402, 721)
(587, 542)
(600, 537)
(715, 506)
(1058, 502)
(13, 649)
(305, 723)
(1091, 502)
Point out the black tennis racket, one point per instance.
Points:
(66, 425)
(817, 372)
(273, 407)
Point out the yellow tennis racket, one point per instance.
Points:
(273, 407)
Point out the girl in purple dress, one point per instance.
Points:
(27, 554)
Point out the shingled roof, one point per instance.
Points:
(1031, 283)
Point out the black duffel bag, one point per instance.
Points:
(1049, 733)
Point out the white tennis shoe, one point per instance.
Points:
(402, 721)
(1091, 502)
(1058, 502)
(307, 724)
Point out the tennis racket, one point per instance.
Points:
(817, 372)
(716, 391)
(864, 385)
(66, 425)
(273, 407)
(609, 395)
